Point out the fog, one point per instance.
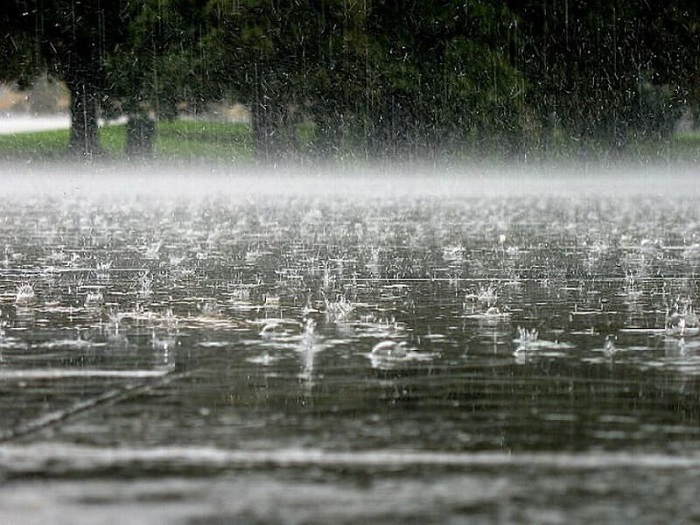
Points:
(360, 180)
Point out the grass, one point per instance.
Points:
(40, 144)
(175, 140)
(219, 141)
(203, 140)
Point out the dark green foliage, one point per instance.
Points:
(443, 77)
(69, 39)
(403, 78)
(158, 69)
(609, 72)
(415, 77)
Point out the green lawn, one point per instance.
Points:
(220, 141)
(40, 144)
(175, 140)
(203, 140)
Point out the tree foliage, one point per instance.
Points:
(70, 40)
(398, 78)
(609, 72)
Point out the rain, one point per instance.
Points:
(298, 263)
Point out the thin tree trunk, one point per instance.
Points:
(140, 134)
(84, 138)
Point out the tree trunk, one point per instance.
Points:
(84, 139)
(140, 134)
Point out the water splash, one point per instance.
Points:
(684, 322)
(25, 296)
(609, 348)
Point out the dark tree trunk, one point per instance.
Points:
(84, 138)
(140, 133)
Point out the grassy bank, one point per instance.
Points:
(185, 140)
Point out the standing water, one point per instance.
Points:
(276, 348)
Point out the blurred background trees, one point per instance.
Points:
(69, 40)
(371, 78)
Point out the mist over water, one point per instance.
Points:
(440, 342)
(162, 180)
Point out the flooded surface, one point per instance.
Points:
(292, 349)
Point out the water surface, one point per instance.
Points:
(479, 346)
